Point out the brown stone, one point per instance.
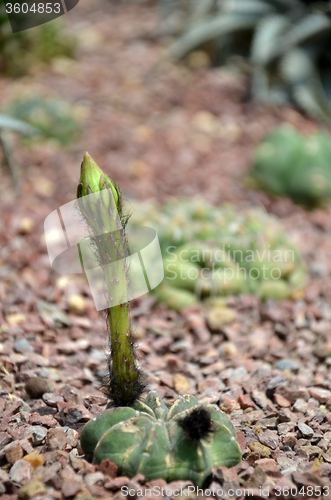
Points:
(245, 402)
(45, 420)
(108, 468)
(72, 483)
(35, 387)
(242, 441)
(322, 395)
(267, 465)
(14, 453)
(269, 438)
(290, 440)
(281, 401)
(117, 483)
(56, 439)
(20, 472)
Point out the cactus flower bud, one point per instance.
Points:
(93, 180)
(100, 203)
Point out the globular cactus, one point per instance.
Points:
(175, 298)
(219, 251)
(287, 163)
(181, 443)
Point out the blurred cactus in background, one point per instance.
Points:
(287, 163)
(217, 251)
(21, 52)
(55, 118)
(286, 42)
(9, 124)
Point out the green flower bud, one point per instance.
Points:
(93, 180)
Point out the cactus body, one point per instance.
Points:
(151, 440)
(219, 251)
(287, 163)
(175, 298)
(276, 289)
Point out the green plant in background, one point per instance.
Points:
(217, 251)
(287, 163)
(21, 52)
(142, 435)
(55, 118)
(287, 43)
(10, 124)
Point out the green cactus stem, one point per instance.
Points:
(183, 442)
(104, 216)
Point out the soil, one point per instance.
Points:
(150, 125)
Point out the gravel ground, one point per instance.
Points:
(153, 129)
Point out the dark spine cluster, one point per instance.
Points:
(197, 425)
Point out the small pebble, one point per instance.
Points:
(267, 464)
(263, 450)
(14, 453)
(322, 395)
(285, 427)
(34, 459)
(305, 430)
(22, 345)
(269, 438)
(56, 439)
(245, 402)
(281, 401)
(300, 405)
(238, 374)
(288, 364)
(219, 317)
(35, 387)
(32, 490)
(72, 483)
(94, 478)
(52, 399)
(76, 304)
(20, 472)
(38, 434)
(108, 468)
(180, 382)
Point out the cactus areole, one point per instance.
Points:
(183, 442)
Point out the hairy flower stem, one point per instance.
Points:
(103, 214)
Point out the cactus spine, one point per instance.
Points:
(104, 216)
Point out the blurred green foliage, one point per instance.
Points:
(287, 163)
(55, 118)
(215, 251)
(286, 42)
(20, 52)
